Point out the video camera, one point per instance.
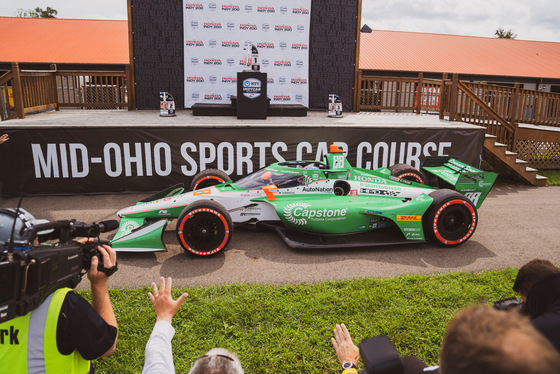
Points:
(510, 303)
(30, 272)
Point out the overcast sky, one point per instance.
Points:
(530, 20)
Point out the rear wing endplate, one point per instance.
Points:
(468, 180)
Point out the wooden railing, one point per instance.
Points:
(33, 91)
(389, 93)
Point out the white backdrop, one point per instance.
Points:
(216, 33)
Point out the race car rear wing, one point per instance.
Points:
(468, 180)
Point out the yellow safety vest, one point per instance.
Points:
(28, 343)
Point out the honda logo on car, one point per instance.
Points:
(299, 213)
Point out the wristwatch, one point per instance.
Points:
(348, 365)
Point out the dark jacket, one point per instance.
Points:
(543, 307)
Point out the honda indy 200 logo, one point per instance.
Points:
(300, 213)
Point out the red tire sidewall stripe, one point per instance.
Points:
(220, 180)
(413, 175)
(190, 215)
(471, 229)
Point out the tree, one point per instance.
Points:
(37, 12)
(503, 34)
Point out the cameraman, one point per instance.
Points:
(65, 332)
(538, 284)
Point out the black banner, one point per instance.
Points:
(112, 160)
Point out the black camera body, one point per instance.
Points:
(29, 273)
(511, 303)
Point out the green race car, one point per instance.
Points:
(315, 204)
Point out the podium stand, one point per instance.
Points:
(252, 100)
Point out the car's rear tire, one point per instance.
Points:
(407, 172)
(208, 178)
(204, 228)
(451, 219)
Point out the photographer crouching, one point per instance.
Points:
(538, 284)
(44, 326)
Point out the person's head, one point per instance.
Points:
(23, 220)
(217, 361)
(531, 273)
(483, 340)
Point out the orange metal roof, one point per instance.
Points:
(56, 40)
(409, 51)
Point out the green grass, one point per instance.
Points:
(287, 328)
(552, 175)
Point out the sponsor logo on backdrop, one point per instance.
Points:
(282, 80)
(281, 98)
(195, 96)
(194, 43)
(230, 44)
(265, 45)
(194, 24)
(265, 62)
(230, 8)
(212, 79)
(195, 79)
(283, 45)
(300, 28)
(299, 46)
(230, 61)
(248, 26)
(299, 63)
(212, 43)
(194, 6)
(266, 9)
(283, 63)
(229, 80)
(212, 6)
(212, 61)
(212, 97)
(248, 8)
(299, 81)
(265, 27)
(212, 25)
(299, 98)
(283, 28)
(194, 61)
(300, 11)
(270, 80)
(283, 9)
(230, 26)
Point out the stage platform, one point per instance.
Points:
(87, 151)
(149, 118)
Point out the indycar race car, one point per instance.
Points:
(315, 204)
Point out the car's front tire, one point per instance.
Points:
(208, 178)
(204, 228)
(451, 219)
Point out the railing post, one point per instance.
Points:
(442, 96)
(130, 92)
(55, 87)
(420, 92)
(360, 91)
(17, 91)
(454, 97)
